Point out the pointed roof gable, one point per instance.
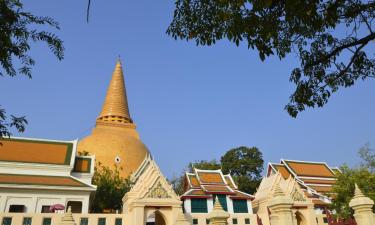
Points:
(205, 183)
(317, 177)
(115, 108)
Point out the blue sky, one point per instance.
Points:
(189, 103)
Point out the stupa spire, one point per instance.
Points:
(115, 108)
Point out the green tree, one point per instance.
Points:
(19, 28)
(368, 156)
(331, 38)
(245, 165)
(344, 188)
(364, 176)
(111, 188)
(204, 165)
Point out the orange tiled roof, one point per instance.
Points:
(310, 169)
(321, 189)
(216, 188)
(193, 180)
(35, 151)
(282, 170)
(39, 180)
(204, 183)
(318, 181)
(241, 195)
(319, 202)
(210, 177)
(82, 165)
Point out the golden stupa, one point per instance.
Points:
(114, 141)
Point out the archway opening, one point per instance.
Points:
(156, 218)
(300, 219)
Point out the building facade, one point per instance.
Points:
(202, 187)
(37, 174)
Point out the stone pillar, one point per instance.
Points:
(68, 219)
(281, 208)
(218, 216)
(362, 206)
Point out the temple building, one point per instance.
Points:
(315, 178)
(36, 174)
(114, 140)
(201, 189)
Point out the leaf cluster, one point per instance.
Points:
(364, 176)
(18, 29)
(310, 29)
(111, 188)
(6, 124)
(344, 189)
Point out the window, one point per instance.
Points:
(101, 221)
(118, 221)
(76, 206)
(240, 206)
(84, 221)
(247, 221)
(195, 221)
(26, 221)
(46, 221)
(7, 220)
(199, 205)
(222, 200)
(45, 209)
(17, 208)
(235, 221)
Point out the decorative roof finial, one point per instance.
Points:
(115, 108)
(357, 192)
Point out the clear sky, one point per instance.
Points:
(190, 103)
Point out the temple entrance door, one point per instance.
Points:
(300, 219)
(156, 218)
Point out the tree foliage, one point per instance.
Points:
(344, 188)
(368, 156)
(243, 163)
(363, 175)
(18, 29)
(111, 188)
(330, 37)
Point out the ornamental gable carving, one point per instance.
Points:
(157, 191)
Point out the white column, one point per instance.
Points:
(249, 206)
(229, 205)
(85, 204)
(187, 205)
(210, 204)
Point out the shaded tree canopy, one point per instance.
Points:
(245, 165)
(18, 29)
(330, 37)
(111, 188)
(364, 176)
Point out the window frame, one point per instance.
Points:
(196, 208)
(238, 204)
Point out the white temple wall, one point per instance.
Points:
(34, 200)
